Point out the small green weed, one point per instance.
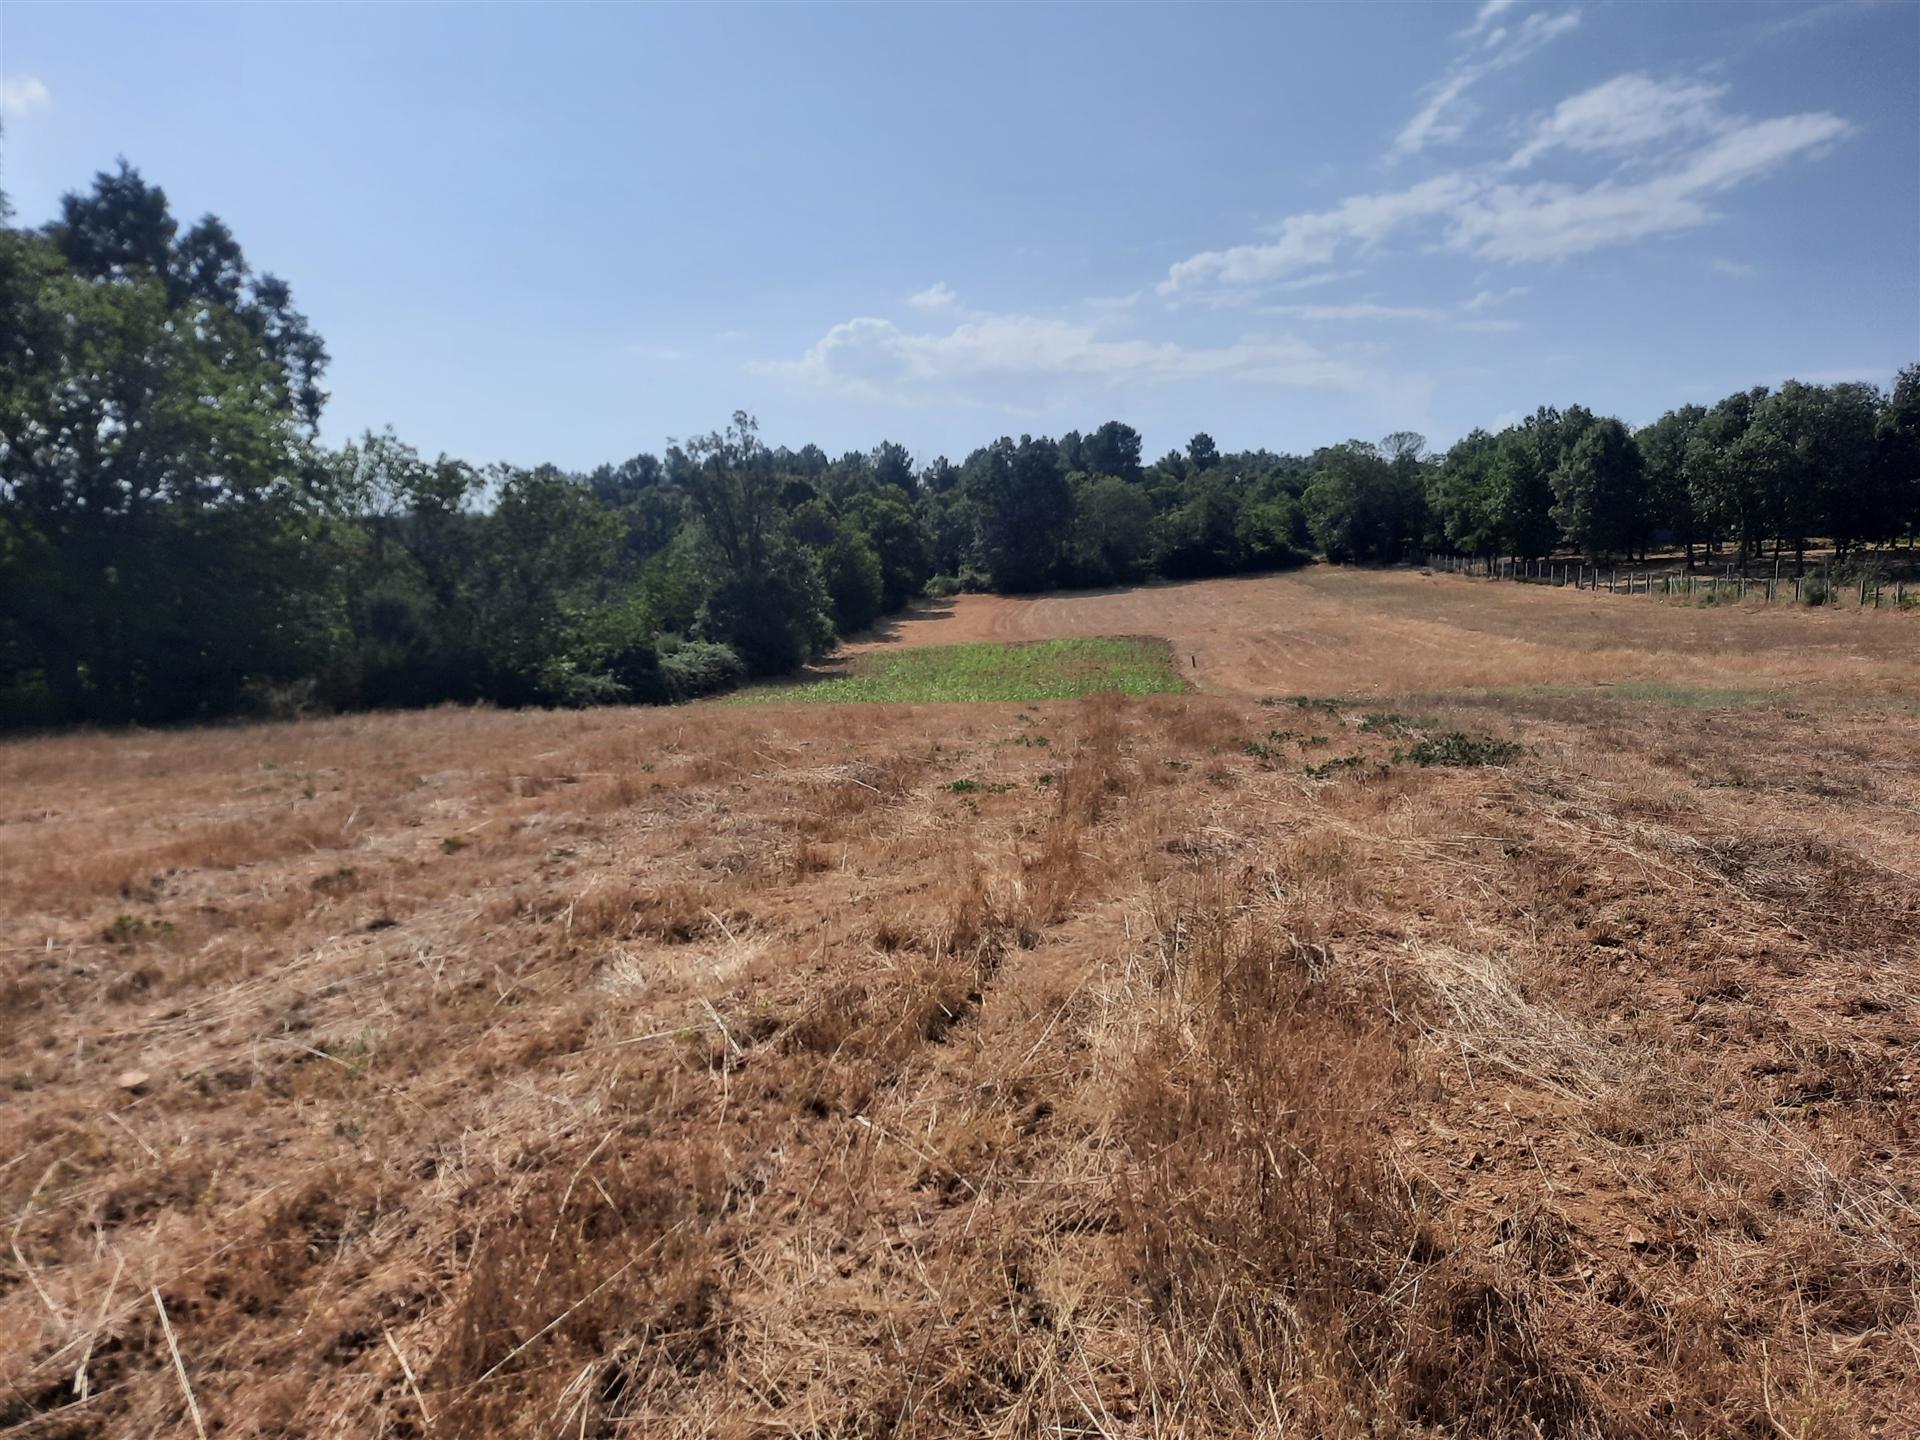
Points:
(1332, 767)
(130, 929)
(1457, 748)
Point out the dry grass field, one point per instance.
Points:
(1171, 1065)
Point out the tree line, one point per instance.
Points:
(175, 542)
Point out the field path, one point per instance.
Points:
(1326, 631)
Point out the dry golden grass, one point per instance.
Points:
(717, 1071)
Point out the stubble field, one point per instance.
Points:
(1150, 1065)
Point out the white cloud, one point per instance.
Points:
(1488, 13)
(1549, 221)
(1739, 268)
(22, 94)
(1311, 282)
(1017, 361)
(1488, 299)
(1628, 115)
(1442, 114)
(1358, 310)
(937, 296)
(1316, 238)
(1684, 150)
(1467, 314)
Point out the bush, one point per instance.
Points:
(692, 668)
(1460, 749)
(854, 582)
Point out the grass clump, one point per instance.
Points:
(1046, 670)
(1457, 748)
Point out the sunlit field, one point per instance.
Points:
(1470, 1010)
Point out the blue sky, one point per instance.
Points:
(567, 233)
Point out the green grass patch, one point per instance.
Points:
(1663, 692)
(1043, 670)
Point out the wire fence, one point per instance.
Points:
(1818, 587)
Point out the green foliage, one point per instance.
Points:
(1600, 491)
(692, 668)
(1112, 540)
(854, 582)
(776, 620)
(1023, 510)
(1363, 505)
(1046, 670)
(1456, 748)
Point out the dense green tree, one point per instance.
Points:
(899, 541)
(1200, 535)
(1112, 540)
(1113, 449)
(1822, 472)
(1670, 502)
(1460, 497)
(735, 490)
(1725, 470)
(892, 469)
(1520, 484)
(1599, 491)
(153, 477)
(1361, 506)
(1897, 432)
(1023, 510)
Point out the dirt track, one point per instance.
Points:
(1327, 631)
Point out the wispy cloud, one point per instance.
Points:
(22, 94)
(1313, 282)
(1630, 115)
(1016, 361)
(1550, 221)
(1442, 115)
(1738, 268)
(1470, 314)
(937, 296)
(1677, 150)
(1491, 11)
(1318, 237)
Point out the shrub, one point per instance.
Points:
(1460, 749)
(692, 668)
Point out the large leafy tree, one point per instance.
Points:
(1813, 448)
(1725, 470)
(1112, 540)
(1023, 509)
(155, 483)
(1361, 505)
(1897, 433)
(1599, 491)
(1663, 448)
(1460, 496)
(1113, 449)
